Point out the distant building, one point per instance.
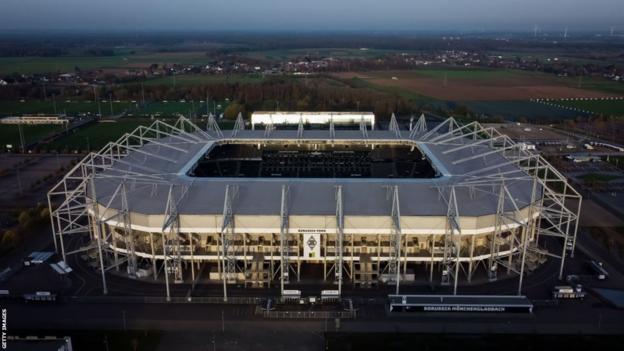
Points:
(35, 119)
(583, 158)
(527, 146)
(609, 146)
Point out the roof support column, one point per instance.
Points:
(97, 227)
(339, 238)
(452, 242)
(227, 231)
(284, 245)
(128, 234)
(394, 262)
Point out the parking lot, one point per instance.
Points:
(25, 179)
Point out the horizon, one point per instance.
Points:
(322, 15)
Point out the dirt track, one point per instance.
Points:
(503, 88)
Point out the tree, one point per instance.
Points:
(8, 240)
(44, 213)
(233, 109)
(24, 218)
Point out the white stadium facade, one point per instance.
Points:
(264, 207)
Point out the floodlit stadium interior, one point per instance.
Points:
(348, 160)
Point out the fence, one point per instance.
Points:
(234, 300)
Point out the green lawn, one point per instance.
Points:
(605, 107)
(72, 108)
(171, 108)
(95, 135)
(9, 134)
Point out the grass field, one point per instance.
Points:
(605, 107)
(74, 108)
(95, 135)
(9, 134)
(162, 108)
(9, 108)
(172, 108)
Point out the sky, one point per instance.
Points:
(309, 15)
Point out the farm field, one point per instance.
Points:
(285, 54)
(72, 108)
(517, 110)
(9, 134)
(29, 65)
(605, 107)
(199, 79)
(478, 84)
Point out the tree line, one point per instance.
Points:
(317, 93)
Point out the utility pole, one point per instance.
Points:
(21, 136)
(54, 103)
(193, 110)
(45, 95)
(142, 94)
(95, 96)
(207, 104)
(110, 99)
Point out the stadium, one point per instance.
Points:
(278, 205)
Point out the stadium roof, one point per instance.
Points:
(474, 167)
